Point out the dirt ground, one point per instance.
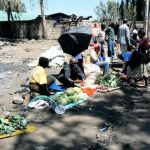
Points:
(118, 120)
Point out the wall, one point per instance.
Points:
(28, 30)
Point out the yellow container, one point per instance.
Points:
(87, 59)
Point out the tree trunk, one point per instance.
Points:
(9, 13)
(140, 10)
(44, 29)
(122, 10)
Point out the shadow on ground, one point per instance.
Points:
(125, 113)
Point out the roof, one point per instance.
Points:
(17, 17)
(53, 16)
(59, 14)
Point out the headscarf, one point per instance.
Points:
(137, 58)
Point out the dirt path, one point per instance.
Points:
(118, 120)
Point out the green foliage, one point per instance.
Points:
(13, 5)
(95, 21)
(18, 122)
(107, 11)
(12, 123)
(129, 9)
(140, 10)
(110, 80)
(132, 9)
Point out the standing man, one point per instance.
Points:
(124, 36)
(110, 38)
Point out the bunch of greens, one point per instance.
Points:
(5, 126)
(110, 80)
(12, 123)
(18, 122)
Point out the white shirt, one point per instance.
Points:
(124, 34)
(93, 56)
(102, 35)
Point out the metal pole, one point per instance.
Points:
(148, 35)
(146, 17)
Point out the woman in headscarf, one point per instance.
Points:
(144, 44)
(137, 65)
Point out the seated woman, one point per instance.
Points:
(71, 73)
(40, 81)
(144, 46)
(137, 65)
(136, 68)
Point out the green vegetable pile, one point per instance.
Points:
(110, 80)
(11, 124)
(71, 95)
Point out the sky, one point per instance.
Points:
(78, 7)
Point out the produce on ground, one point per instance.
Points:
(110, 80)
(102, 88)
(89, 91)
(11, 124)
(71, 95)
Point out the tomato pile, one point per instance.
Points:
(89, 91)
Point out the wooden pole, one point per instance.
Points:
(44, 26)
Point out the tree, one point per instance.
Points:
(128, 11)
(132, 9)
(12, 6)
(121, 9)
(107, 11)
(140, 10)
(44, 26)
(43, 19)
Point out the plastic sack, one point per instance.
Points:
(92, 71)
(39, 104)
(56, 87)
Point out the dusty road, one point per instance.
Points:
(123, 114)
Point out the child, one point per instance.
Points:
(40, 81)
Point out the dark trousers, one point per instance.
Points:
(35, 87)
